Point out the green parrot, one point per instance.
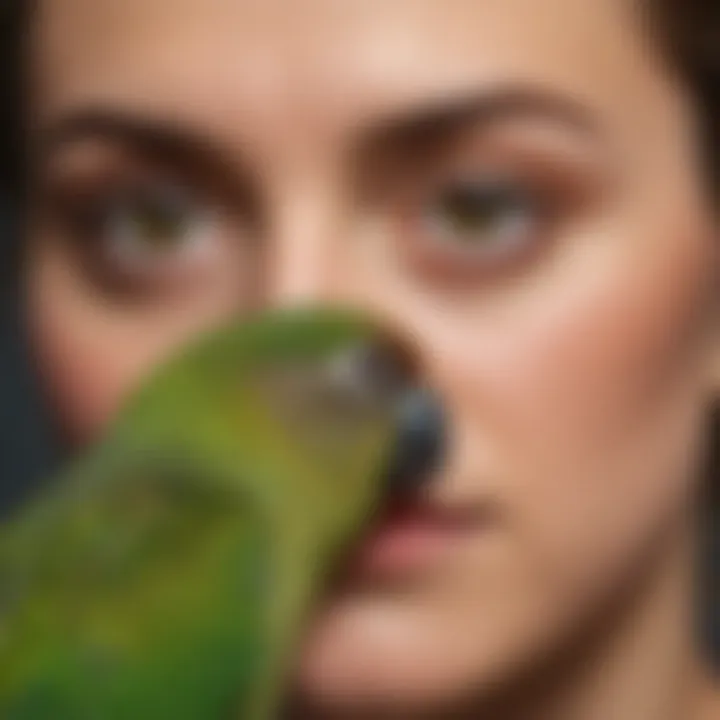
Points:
(170, 572)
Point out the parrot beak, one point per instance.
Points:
(420, 443)
(386, 372)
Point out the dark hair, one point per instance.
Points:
(12, 32)
(690, 32)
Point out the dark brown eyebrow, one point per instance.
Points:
(158, 139)
(439, 120)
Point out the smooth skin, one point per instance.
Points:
(324, 151)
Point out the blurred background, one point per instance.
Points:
(26, 444)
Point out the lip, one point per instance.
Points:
(410, 537)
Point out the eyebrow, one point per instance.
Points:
(163, 139)
(433, 122)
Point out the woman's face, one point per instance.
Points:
(517, 188)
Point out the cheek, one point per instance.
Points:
(91, 355)
(87, 371)
(581, 406)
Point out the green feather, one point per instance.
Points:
(169, 573)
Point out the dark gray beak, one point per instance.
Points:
(386, 370)
(421, 442)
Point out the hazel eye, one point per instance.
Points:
(481, 218)
(146, 227)
(141, 232)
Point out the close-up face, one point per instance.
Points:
(518, 190)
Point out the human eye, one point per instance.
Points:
(474, 225)
(141, 229)
(487, 205)
(481, 219)
(141, 234)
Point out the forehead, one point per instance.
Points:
(323, 62)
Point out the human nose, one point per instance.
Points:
(307, 257)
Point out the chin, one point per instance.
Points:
(392, 657)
